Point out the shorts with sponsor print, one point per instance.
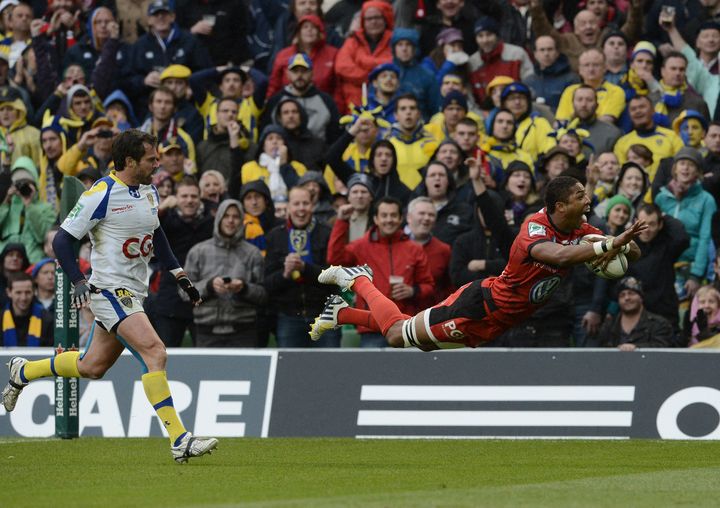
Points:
(464, 317)
(111, 306)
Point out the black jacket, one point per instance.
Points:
(388, 185)
(651, 331)
(147, 54)
(476, 244)
(655, 268)
(305, 296)
(227, 43)
(182, 236)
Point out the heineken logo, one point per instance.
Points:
(535, 229)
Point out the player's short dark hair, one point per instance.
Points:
(130, 143)
(408, 96)
(583, 86)
(227, 99)
(387, 200)
(639, 97)
(17, 277)
(649, 209)
(466, 120)
(674, 54)
(187, 181)
(558, 190)
(714, 123)
(165, 90)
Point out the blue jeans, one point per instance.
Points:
(292, 331)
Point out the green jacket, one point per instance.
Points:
(26, 224)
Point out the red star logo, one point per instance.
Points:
(59, 350)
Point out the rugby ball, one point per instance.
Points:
(615, 269)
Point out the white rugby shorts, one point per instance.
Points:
(111, 306)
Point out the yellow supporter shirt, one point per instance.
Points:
(661, 142)
(611, 101)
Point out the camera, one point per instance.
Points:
(227, 280)
(105, 133)
(24, 188)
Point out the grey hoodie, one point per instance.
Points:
(226, 257)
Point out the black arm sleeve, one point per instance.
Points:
(163, 251)
(65, 253)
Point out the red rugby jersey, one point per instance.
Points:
(525, 283)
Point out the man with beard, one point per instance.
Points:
(322, 113)
(603, 135)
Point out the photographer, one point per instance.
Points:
(23, 217)
(92, 151)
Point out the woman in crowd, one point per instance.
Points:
(274, 164)
(684, 198)
(632, 183)
(310, 38)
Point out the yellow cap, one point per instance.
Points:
(498, 81)
(175, 71)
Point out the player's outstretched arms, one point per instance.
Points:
(563, 256)
(555, 254)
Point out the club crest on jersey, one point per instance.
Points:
(535, 229)
(125, 296)
(151, 199)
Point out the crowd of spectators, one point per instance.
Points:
(293, 135)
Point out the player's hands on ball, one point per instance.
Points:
(190, 290)
(81, 294)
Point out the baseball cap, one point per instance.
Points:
(448, 36)
(300, 60)
(168, 144)
(159, 6)
(175, 71)
(689, 153)
(382, 68)
(515, 87)
(102, 120)
(498, 81)
(631, 284)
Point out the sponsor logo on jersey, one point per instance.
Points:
(135, 247)
(75, 211)
(121, 209)
(535, 229)
(542, 289)
(450, 329)
(125, 296)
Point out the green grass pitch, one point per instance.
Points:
(367, 473)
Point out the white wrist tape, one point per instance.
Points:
(625, 248)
